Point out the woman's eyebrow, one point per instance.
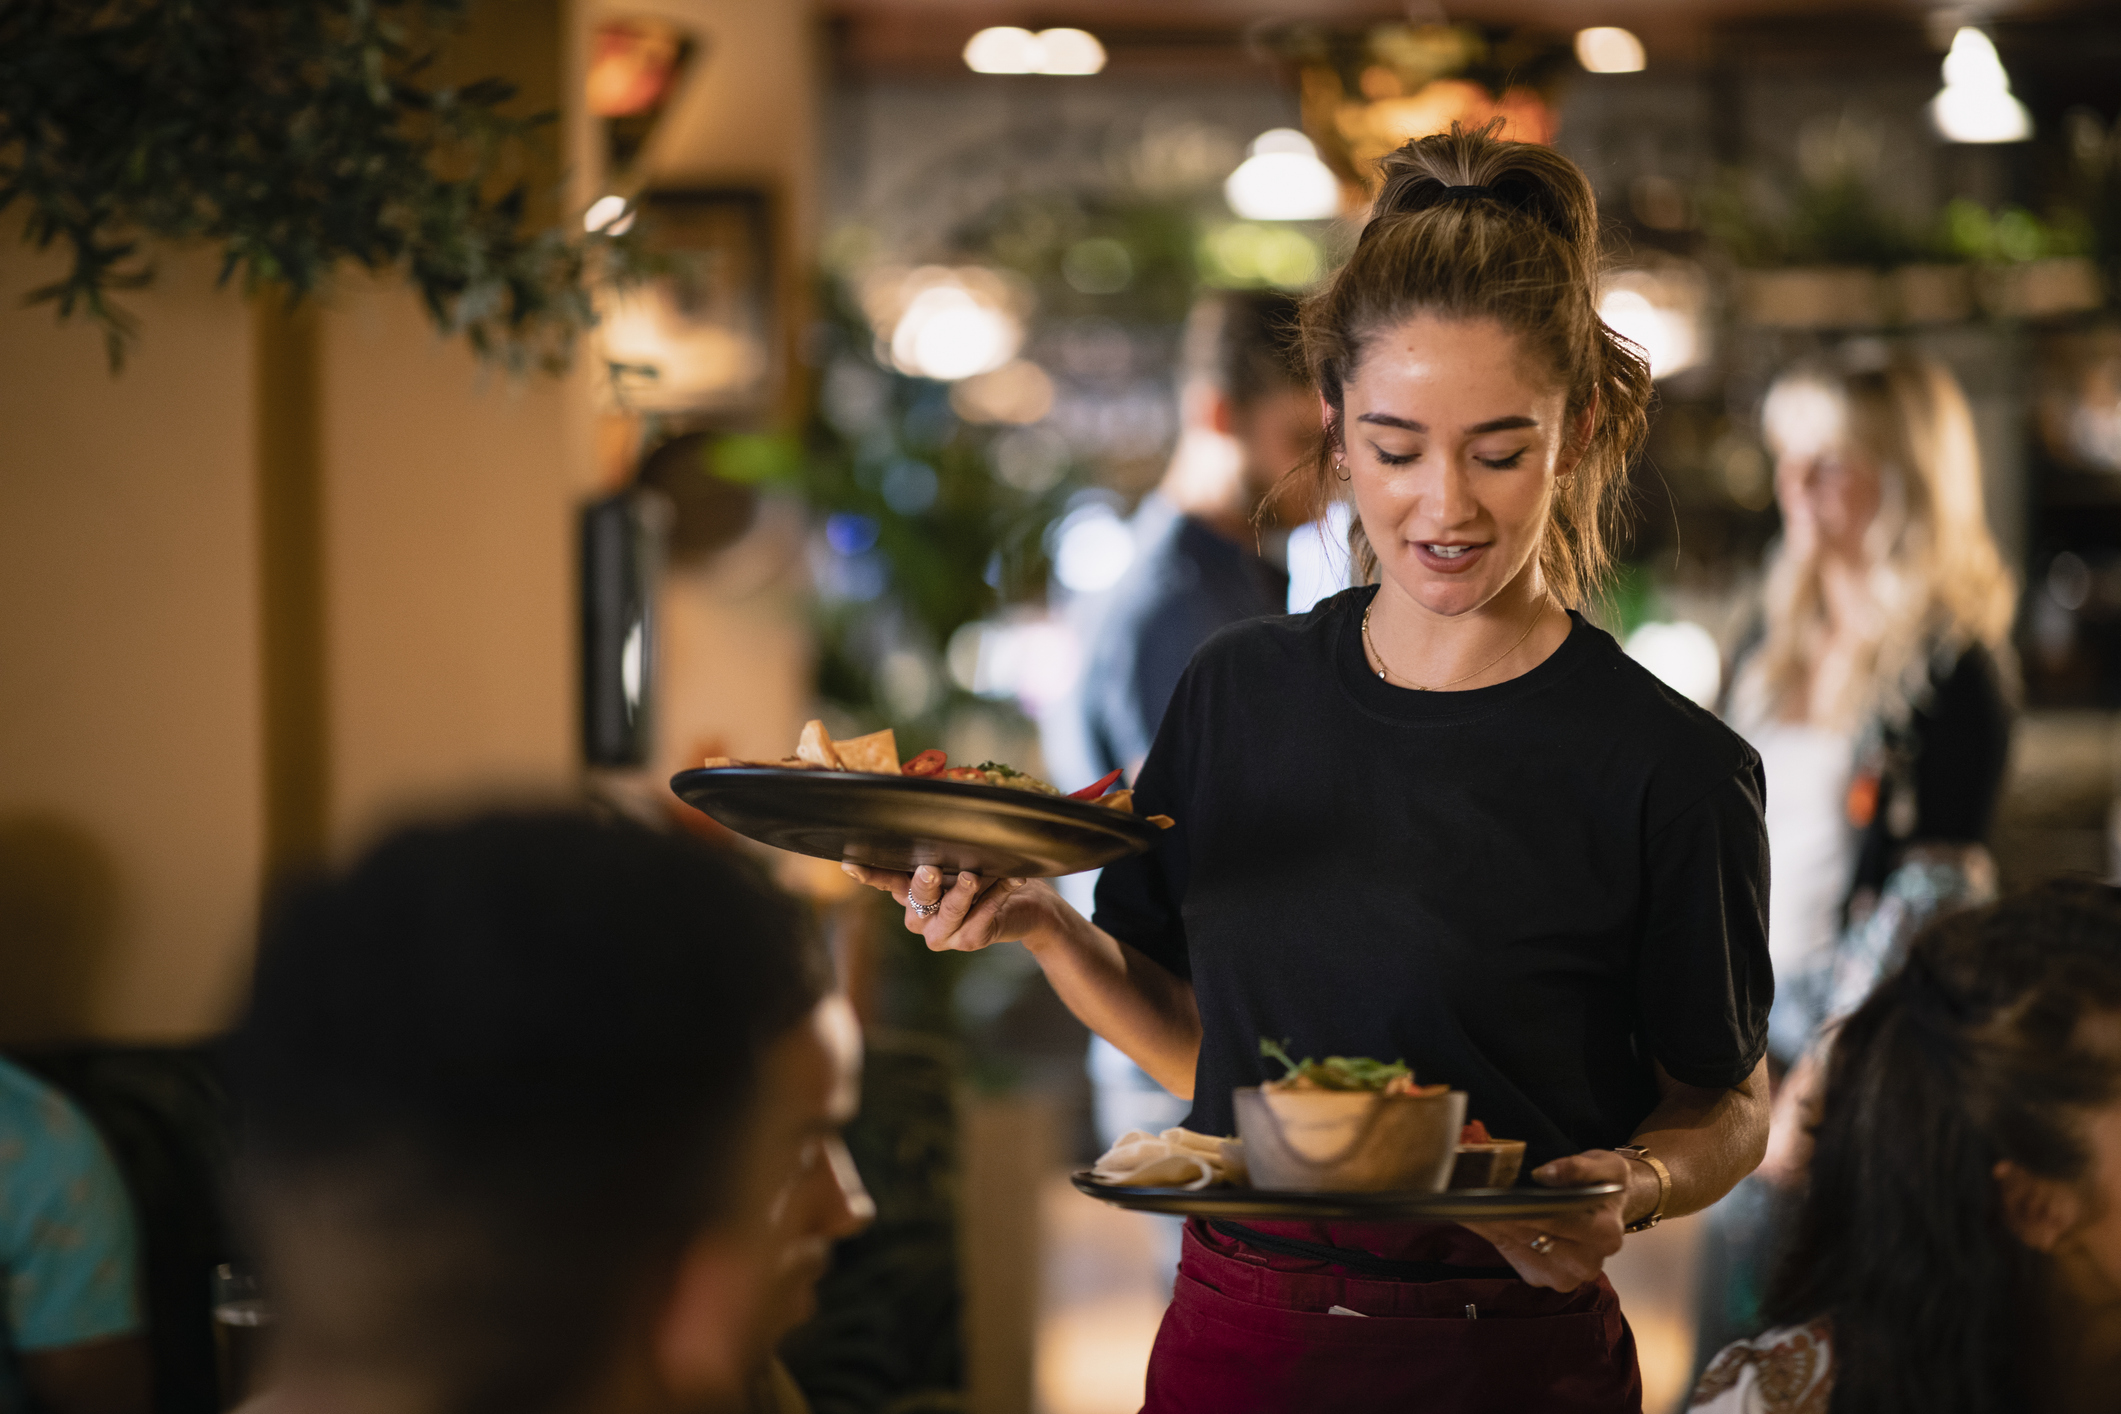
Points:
(1499, 424)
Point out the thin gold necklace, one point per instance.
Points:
(1368, 643)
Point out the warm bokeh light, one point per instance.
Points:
(1070, 51)
(1283, 180)
(1007, 49)
(1976, 103)
(608, 215)
(1004, 49)
(1660, 312)
(1017, 392)
(1607, 49)
(945, 323)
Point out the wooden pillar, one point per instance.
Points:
(292, 621)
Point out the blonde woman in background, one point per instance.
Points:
(1876, 690)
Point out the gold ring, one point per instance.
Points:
(1541, 1244)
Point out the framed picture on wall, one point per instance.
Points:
(703, 337)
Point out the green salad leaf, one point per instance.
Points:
(1336, 1072)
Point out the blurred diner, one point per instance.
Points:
(541, 1112)
(1957, 1246)
(1877, 688)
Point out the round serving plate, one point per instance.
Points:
(898, 822)
(1455, 1205)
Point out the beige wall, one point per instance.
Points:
(133, 760)
(449, 568)
(130, 816)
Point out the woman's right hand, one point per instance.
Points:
(972, 913)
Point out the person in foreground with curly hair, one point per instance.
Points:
(1958, 1250)
(1440, 818)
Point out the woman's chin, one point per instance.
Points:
(1445, 597)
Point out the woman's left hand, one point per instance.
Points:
(1577, 1243)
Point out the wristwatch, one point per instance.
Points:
(1664, 1186)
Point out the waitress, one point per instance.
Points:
(1441, 818)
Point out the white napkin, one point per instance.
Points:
(1177, 1158)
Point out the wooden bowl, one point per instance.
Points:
(1337, 1141)
(1490, 1165)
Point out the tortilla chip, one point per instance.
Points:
(715, 763)
(816, 747)
(1162, 822)
(1120, 800)
(876, 753)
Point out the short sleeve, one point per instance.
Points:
(1703, 980)
(1139, 898)
(71, 1259)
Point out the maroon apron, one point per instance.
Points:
(1250, 1329)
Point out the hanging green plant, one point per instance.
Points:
(293, 135)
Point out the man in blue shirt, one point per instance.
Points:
(72, 1331)
(1248, 415)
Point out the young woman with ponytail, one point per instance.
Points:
(1440, 818)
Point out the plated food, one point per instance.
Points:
(877, 754)
(1485, 1161)
(1354, 1124)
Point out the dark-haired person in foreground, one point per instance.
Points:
(1959, 1247)
(542, 1113)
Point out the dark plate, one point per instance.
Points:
(1455, 1205)
(897, 822)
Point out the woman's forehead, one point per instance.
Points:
(1804, 416)
(1426, 352)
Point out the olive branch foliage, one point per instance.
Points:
(294, 135)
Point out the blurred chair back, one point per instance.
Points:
(165, 1117)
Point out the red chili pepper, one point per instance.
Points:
(928, 763)
(1096, 788)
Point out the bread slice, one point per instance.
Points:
(876, 753)
(817, 748)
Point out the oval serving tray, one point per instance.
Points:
(1451, 1205)
(898, 822)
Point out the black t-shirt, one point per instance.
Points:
(1528, 891)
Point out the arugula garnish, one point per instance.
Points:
(1336, 1072)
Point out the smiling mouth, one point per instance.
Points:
(1448, 552)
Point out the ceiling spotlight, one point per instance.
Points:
(1005, 49)
(1070, 51)
(1609, 50)
(1976, 103)
(1283, 180)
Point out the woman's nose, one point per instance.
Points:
(1453, 493)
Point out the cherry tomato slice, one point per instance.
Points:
(928, 763)
(1095, 788)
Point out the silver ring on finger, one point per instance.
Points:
(1541, 1244)
(923, 910)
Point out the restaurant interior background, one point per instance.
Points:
(881, 361)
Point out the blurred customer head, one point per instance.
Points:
(541, 1113)
(1963, 1226)
(1878, 475)
(1249, 415)
(1470, 229)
